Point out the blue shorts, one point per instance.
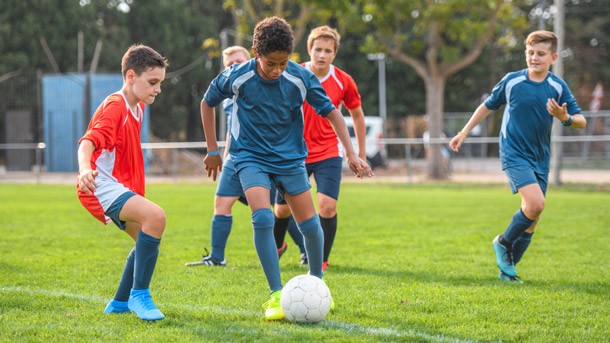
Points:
(115, 209)
(521, 176)
(291, 184)
(327, 174)
(230, 186)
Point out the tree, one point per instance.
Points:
(438, 38)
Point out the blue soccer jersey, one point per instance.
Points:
(267, 117)
(525, 136)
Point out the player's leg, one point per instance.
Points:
(522, 180)
(297, 237)
(327, 174)
(521, 244)
(151, 220)
(119, 303)
(282, 214)
(256, 184)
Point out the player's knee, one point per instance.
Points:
(536, 207)
(327, 211)
(282, 211)
(310, 227)
(263, 218)
(157, 219)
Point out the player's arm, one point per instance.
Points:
(213, 163)
(479, 114)
(360, 130)
(561, 113)
(86, 176)
(357, 165)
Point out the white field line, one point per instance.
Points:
(343, 327)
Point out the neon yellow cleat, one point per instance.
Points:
(273, 307)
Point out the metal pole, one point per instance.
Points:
(408, 163)
(557, 147)
(222, 118)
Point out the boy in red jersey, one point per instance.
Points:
(324, 154)
(111, 177)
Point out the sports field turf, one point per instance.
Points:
(410, 264)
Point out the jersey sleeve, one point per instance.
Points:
(351, 98)
(568, 98)
(498, 95)
(219, 89)
(103, 129)
(317, 98)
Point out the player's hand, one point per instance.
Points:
(559, 112)
(213, 165)
(359, 167)
(456, 142)
(86, 180)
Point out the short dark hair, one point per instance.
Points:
(140, 58)
(542, 36)
(273, 34)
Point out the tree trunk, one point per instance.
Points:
(435, 89)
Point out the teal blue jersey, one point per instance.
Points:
(525, 136)
(267, 116)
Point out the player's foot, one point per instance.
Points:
(273, 308)
(207, 260)
(304, 260)
(282, 250)
(115, 306)
(324, 266)
(141, 303)
(503, 276)
(504, 257)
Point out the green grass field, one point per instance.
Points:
(410, 264)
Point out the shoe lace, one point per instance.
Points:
(272, 302)
(509, 255)
(147, 303)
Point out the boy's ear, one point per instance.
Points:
(555, 55)
(255, 52)
(130, 76)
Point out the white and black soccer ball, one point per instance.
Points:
(305, 299)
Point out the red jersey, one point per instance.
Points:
(322, 141)
(115, 132)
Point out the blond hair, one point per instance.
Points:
(542, 36)
(324, 32)
(234, 49)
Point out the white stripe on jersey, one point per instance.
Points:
(506, 117)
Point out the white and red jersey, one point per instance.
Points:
(322, 141)
(115, 132)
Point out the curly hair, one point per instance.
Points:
(273, 34)
(140, 58)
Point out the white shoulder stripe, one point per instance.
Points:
(297, 82)
(240, 81)
(557, 86)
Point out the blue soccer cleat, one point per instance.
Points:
(141, 303)
(115, 306)
(503, 276)
(504, 257)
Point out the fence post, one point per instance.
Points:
(408, 163)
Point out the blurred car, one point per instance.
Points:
(376, 153)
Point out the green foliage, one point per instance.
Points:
(409, 264)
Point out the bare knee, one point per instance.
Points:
(533, 209)
(281, 211)
(155, 222)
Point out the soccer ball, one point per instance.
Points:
(305, 299)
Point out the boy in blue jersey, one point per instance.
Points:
(267, 144)
(533, 97)
(229, 188)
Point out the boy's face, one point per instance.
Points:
(147, 85)
(235, 58)
(272, 66)
(539, 58)
(322, 53)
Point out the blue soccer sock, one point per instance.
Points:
(296, 235)
(521, 245)
(517, 226)
(264, 242)
(126, 283)
(314, 244)
(147, 250)
(221, 228)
